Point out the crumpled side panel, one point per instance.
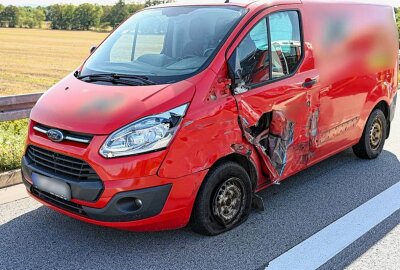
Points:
(279, 140)
(272, 136)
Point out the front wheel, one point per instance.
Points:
(224, 200)
(373, 139)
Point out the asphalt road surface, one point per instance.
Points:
(32, 236)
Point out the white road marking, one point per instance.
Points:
(325, 244)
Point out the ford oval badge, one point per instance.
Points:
(55, 135)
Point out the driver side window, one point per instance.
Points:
(251, 58)
(271, 50)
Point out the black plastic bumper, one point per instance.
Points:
(124, 206)
(132, 205)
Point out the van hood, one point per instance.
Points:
(96, 109)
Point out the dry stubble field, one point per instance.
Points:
(32, 60)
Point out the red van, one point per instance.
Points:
(186, 111)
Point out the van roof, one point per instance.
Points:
(246, 3)
(362, 2)
(240, 3)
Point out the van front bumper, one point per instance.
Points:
(166, 204)
(124, 206)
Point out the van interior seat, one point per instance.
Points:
(199, 38)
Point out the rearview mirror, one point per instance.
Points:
(93, 49)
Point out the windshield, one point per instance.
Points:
(165, 44)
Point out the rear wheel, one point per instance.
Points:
(224, 200)
(373, 139)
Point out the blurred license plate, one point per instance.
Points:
(53, 186)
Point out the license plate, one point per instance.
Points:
(53, 186)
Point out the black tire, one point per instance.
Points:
(371, 143)
(220, 190)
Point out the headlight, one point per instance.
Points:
(144, 135)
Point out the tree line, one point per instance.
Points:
(71, 17)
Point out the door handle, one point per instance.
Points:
(309, 83)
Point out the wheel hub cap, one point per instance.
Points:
(228, 200)
(376, 134)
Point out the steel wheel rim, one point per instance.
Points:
(228, 200)
(376, 134)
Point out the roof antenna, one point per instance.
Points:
(226, 1)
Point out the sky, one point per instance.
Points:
(110, 2)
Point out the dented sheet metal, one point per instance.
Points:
(289, 137)
(281, 122)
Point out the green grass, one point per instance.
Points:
(12, 140)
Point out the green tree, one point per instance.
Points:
(149, 3)
(31, 17)
(1, 16)
(119, 13)
(87, 16)
(133, 8)
(11, 15)
(23, 17)
(106, 14)
(39, 16)
(61, 16)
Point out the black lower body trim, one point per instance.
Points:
(132, 205)
(124, 206)
(66, 205)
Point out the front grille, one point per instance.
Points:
(68, 135)
(54, 200)
(57, 163)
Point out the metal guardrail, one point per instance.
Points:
(17, 107)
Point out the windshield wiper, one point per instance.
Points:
(112, 80)
(113, 77)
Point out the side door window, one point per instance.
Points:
(285, 43)
(250, 61)
(271, 50)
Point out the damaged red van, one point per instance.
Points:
(186, 111)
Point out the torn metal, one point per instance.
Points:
(272, 136)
